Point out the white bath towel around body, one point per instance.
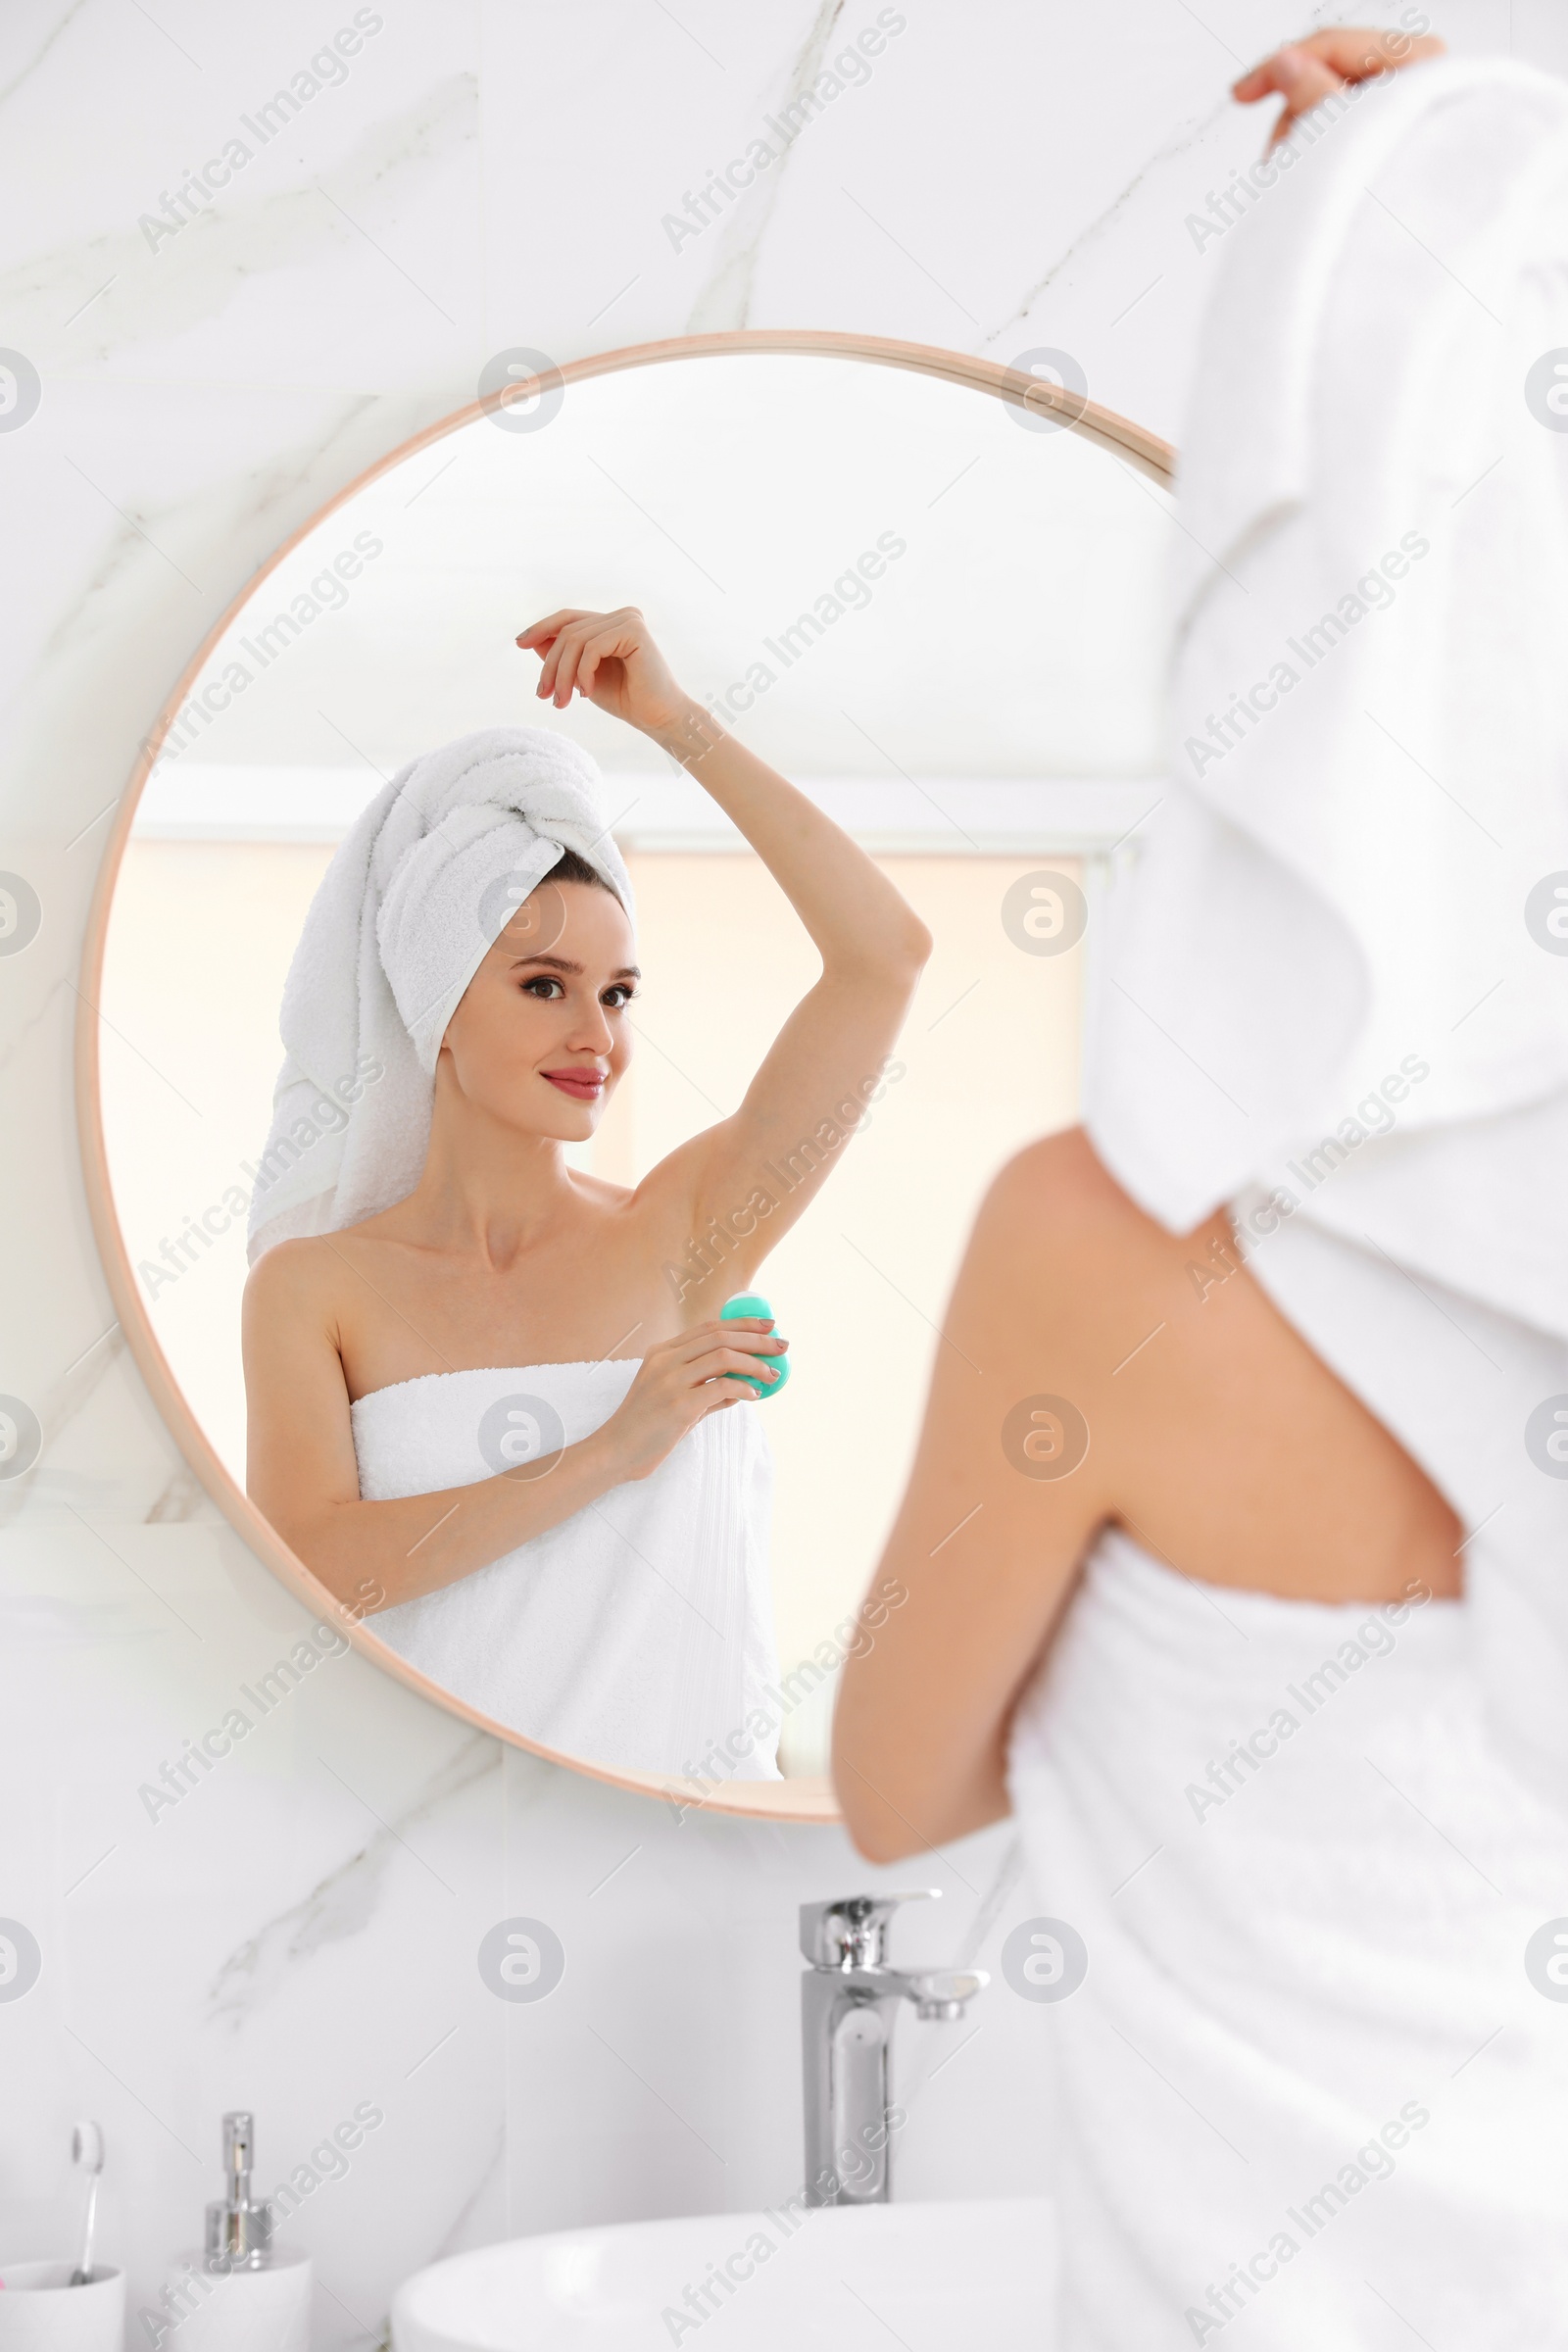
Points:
(1307, 2098)
(636, 1634)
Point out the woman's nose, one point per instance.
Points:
(591, 1031)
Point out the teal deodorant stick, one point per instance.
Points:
(749, 1304)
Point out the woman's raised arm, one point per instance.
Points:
(832, 1052)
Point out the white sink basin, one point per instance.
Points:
(964, 2278)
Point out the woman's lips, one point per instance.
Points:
(584, 1086)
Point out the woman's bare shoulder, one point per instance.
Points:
(1060, 1263)
(297, 1279)
(1055, 1205)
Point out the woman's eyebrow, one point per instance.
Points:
(564, 963)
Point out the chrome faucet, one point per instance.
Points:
(849, 1999)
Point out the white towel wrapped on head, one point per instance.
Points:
(414, 899)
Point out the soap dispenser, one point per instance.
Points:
(239, 2230)
(242, 2293)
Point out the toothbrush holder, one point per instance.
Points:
(40, 2311)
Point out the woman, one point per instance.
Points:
(498, 1411)
(1233, 1543)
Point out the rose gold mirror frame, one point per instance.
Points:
(799, 1800)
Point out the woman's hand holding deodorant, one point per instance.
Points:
(751, 1306)
(678, 1383)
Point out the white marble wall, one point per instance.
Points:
(299, 1933)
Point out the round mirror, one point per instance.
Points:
(929, 591)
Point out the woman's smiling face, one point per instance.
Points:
(541, 1037)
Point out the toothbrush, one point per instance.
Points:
(87, 2155)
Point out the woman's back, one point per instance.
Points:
(1098, 1371)
(1224, 1442)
